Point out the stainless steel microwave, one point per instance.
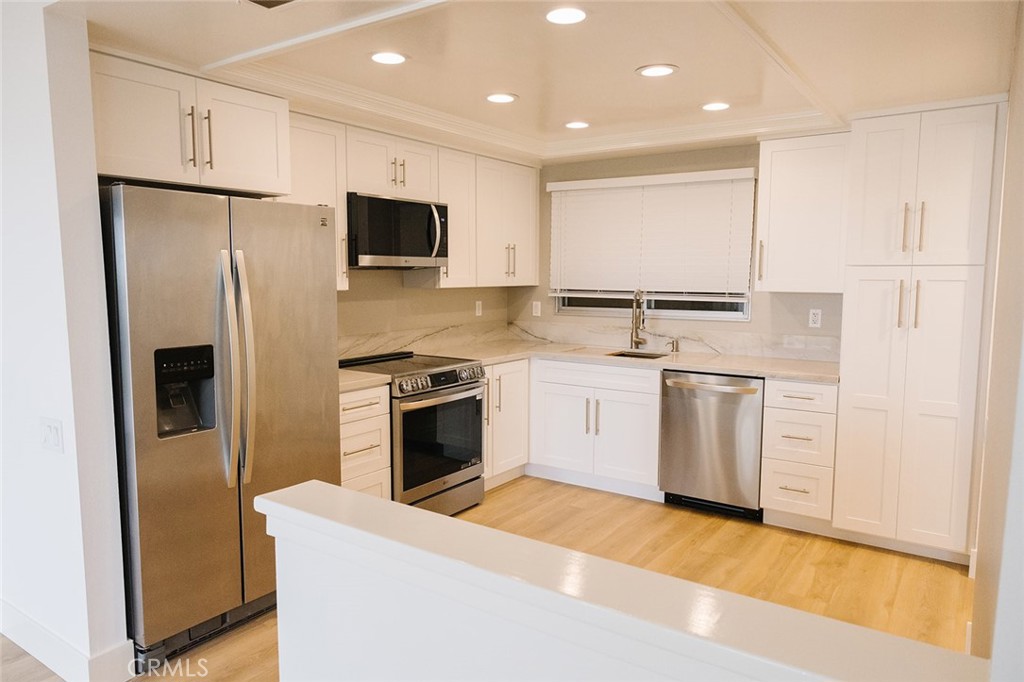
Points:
(396, 233)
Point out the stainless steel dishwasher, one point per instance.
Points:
(710, 453)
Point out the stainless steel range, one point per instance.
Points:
(437, 428)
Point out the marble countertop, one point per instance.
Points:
(353, 380)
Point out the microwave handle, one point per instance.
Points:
(437, 231)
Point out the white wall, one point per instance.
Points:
(62, 593)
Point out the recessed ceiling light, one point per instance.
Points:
(566, 15)
(577, 125)
(388, 58)
(502, 97)
(715, 106)
(656, 70)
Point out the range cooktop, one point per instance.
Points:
(412, 373)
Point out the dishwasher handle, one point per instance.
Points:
(716, 388)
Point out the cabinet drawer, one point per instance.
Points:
(365, 446)
(796, 488)
(597, 376)
(797, 395)
(377, 484)
(798, 436)
(368, 402)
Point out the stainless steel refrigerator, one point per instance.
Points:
(223, 321)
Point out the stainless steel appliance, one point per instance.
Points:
(223, 337)
(396, 233)
(437, 432)
(710, 453)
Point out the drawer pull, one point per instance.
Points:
(359, 406)
(807, 439)
(798, 397)
(360, 450)
(802, 491)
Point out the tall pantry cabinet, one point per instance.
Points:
(916, 240)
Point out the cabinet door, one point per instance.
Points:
(372, 164)
(365, 446)
(493, 247)
(510, 420)
(942, 380)
(626, 436)
(417, 170)
(560, 427)
(800, 214)
(318, 176)
(883, 189)
(244, 139)
(520, 202)
(872, 363)
(457, 189)
(954, 186)
(145, 120)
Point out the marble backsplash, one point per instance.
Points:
(580, 332)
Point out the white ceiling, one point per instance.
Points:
(786, 67)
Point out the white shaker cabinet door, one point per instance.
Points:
(883, 190)
(626, 435)
(941, 384)
(561, 432)
(457, 190)
(417, 170)
(146, 121)
(872, 365)
(510, 415)
(372, 165)
(954, 186)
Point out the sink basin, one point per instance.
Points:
(637, 354)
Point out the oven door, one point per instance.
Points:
(438, 441)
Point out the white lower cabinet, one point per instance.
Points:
(366, 441)
(798, 448)
(580, 424)
(506, 417)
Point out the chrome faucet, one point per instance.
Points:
(637, 323)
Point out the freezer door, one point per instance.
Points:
(181, 502)
(285, 265)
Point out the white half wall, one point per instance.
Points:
(62, 588)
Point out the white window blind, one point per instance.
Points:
(688, 234)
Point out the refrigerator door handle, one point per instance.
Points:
(236, 402)
(250, 366)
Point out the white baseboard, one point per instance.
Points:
(65, 660)
(611, 485)
(504, 477)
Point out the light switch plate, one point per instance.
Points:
(479, 308)
(536, 308)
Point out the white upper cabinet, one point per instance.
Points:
(318, 176)
(920, 187)
(507, 224)
(388, 166)
(800, 214)
(159, 125)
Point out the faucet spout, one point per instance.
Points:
(637, 321)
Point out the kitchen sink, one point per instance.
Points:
(637, 354)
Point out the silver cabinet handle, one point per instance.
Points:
(760, 260)
(230, 312)
(798, 397)
(209, 137)
(920, 230)
(803, 438)
(714, 388)
(359, 406)
(515, 261)
(360, 450)
(597, 417)
(497, 403)
(899, 308)
(508, 259)
(394, 171)
(437, 223)
(906, 224)
(195, 150)
(917, 303)
(403, 172)
(587, 412)
(487, 403)
(250, 368)
(802, 491)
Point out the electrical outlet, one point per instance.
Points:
(536, 308)
(814, 319)
(51, 434)
(479, 308)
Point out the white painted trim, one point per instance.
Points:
(972, 566)
(932, 106)
(113, 665)
(824, 527)
(292, 43)
(663, 179)
(610, 485)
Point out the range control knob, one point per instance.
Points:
(403, 386)
(463, 374)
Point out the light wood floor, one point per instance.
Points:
(926, 600)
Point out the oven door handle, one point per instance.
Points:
(441, 400)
